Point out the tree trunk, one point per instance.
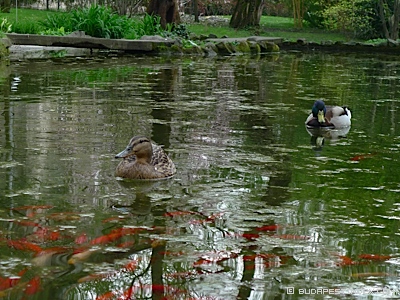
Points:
(167, 10)
(383, 18)
(298, 12)
(394, 21)
(390, 22)
(247, 13)
(196, 10)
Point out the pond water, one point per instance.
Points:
(259, 208)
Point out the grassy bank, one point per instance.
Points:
(28, 21)
(271, 27)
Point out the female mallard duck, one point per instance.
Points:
(328, 116)
(143, 159)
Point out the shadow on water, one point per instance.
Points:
(260, 206)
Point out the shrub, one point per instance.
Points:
(354, 17)
(149, 25)
(26, 27)
(60, 32)
(180, 31)
(314, 15)
(100, 21)
(56, 21)
(96, 21)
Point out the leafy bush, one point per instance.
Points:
(314, 15)
(56, 21)
(354, 17)
(100, 21)
(181, 31)
(60, 32)
(96, 21)
(25, 27)
(149, 25)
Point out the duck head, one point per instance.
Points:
(319, 111)
(140, 146)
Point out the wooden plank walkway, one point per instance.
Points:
(83, 41)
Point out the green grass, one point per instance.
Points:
(269, 26)
(277, 22)
(24, 15)
(26, 20)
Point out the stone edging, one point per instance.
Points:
(202, 46)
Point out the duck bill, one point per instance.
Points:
(321, 117)
(122, 154)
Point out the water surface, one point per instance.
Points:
(258, 206)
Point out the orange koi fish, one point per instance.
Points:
(105, 239)
(374, 257)
(82, 239)
(8, 282)
(346, 261)
(106, 296)
(45, 234)
(26, 223)
(24, 245)
(202, 261)
(33, 286)
(251, 236)
(273, 227)
(362, 156)
(215, 216)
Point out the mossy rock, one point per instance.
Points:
(203, 37)
(210, 49)
(225, 48)
(243, 47)
(254, 47)
(275, 48)
(193, 50)
(193, 36)
(268, 46)
(175, 49)
(161, 47)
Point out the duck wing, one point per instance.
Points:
(161, 161)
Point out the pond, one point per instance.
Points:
(258, 209)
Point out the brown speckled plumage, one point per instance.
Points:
(143, 159)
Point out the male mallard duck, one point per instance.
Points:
(328, 116)
(143, 159)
